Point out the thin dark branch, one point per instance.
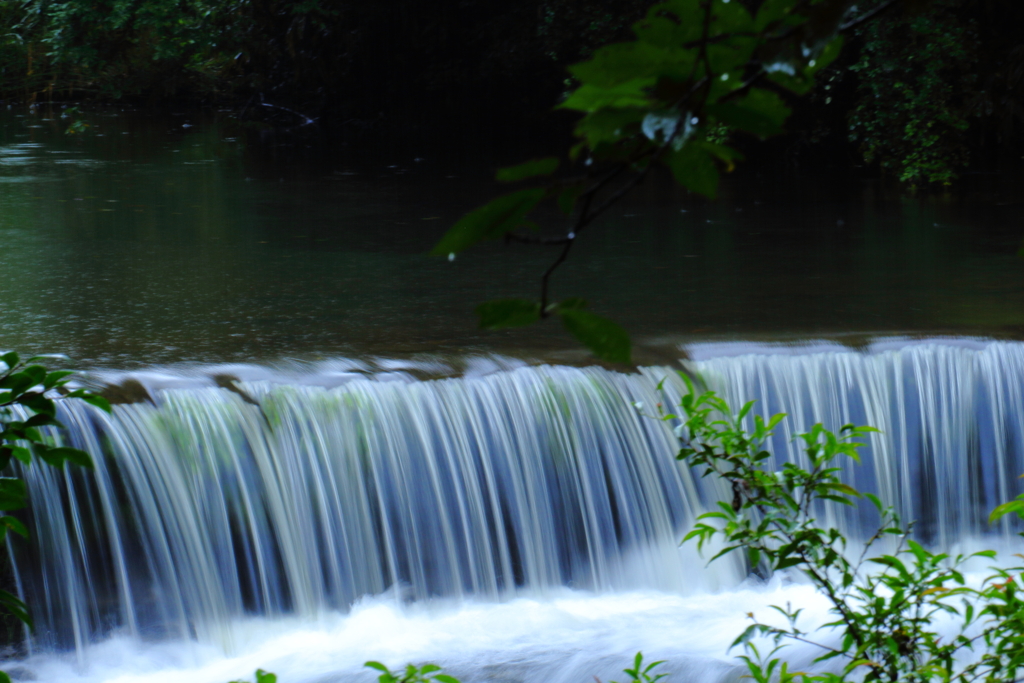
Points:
(581, 222)
(867, 16)
(562, 255)
(791, 636)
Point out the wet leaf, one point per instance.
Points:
(606, 339)
(624, 95)
(624, 62)
(693, 168)
(527, 169)
(495, 315)
(491, 220)
(761, 112)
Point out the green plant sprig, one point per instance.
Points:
(884, 606)
(696, 68)
(30, 387)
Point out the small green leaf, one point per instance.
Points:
(663, 31)
(1012, 507)
(495, 315)
(42, 420)
(761, 112)
(14, 525)
(622, 96)
(747, 635)
(445, 678)
(772, 11)
(620, 63)
(378, 666)
(609, 125)
(527, 169)
(567, 198)
(15, 606)
(10, 359)
(603, 337)
(56, 457)
(490, 221)
(23, 454)
(693, 168)
(12, 494)
(97, 401)
(827, 55)
(53, 378)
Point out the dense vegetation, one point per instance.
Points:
(926, 89)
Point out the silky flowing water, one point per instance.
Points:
(517, 525)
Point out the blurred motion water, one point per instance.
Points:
(516, 525)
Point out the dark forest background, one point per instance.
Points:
(922, 94)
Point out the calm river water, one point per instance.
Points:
(181, 238)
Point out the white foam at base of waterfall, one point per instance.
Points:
(560, 636)
(495, 502)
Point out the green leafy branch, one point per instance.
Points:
(884, 606)
(428, 673)
(27, 387)
(695, 68)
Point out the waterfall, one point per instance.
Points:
(950, 414)
(204, 508)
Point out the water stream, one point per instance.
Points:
(513, 526)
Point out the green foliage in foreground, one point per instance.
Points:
(261, 677)
(428, 673)
(886, 595)
(34, 389)
(431, 673)
(695, 68)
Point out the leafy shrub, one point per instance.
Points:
(883, 606)
(28, 387)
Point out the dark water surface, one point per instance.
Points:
(179, 238)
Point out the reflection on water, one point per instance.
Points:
(179, 238)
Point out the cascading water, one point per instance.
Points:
(517, 526)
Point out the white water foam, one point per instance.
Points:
(560, 636)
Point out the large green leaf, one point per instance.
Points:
(14, 605)
(591, 98)
(731, 53)
(10, 359)
(760, 112)
(265, 676)
(685, 27)
(495, 315)
(491, 220)
(624, 62)
(609, 125)
(58, 456)
(527, 169)
(13, 524)
(729, 16)
(603, 337)
(778, 12)
(827, 55)
(694, 169)
(12, 494)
